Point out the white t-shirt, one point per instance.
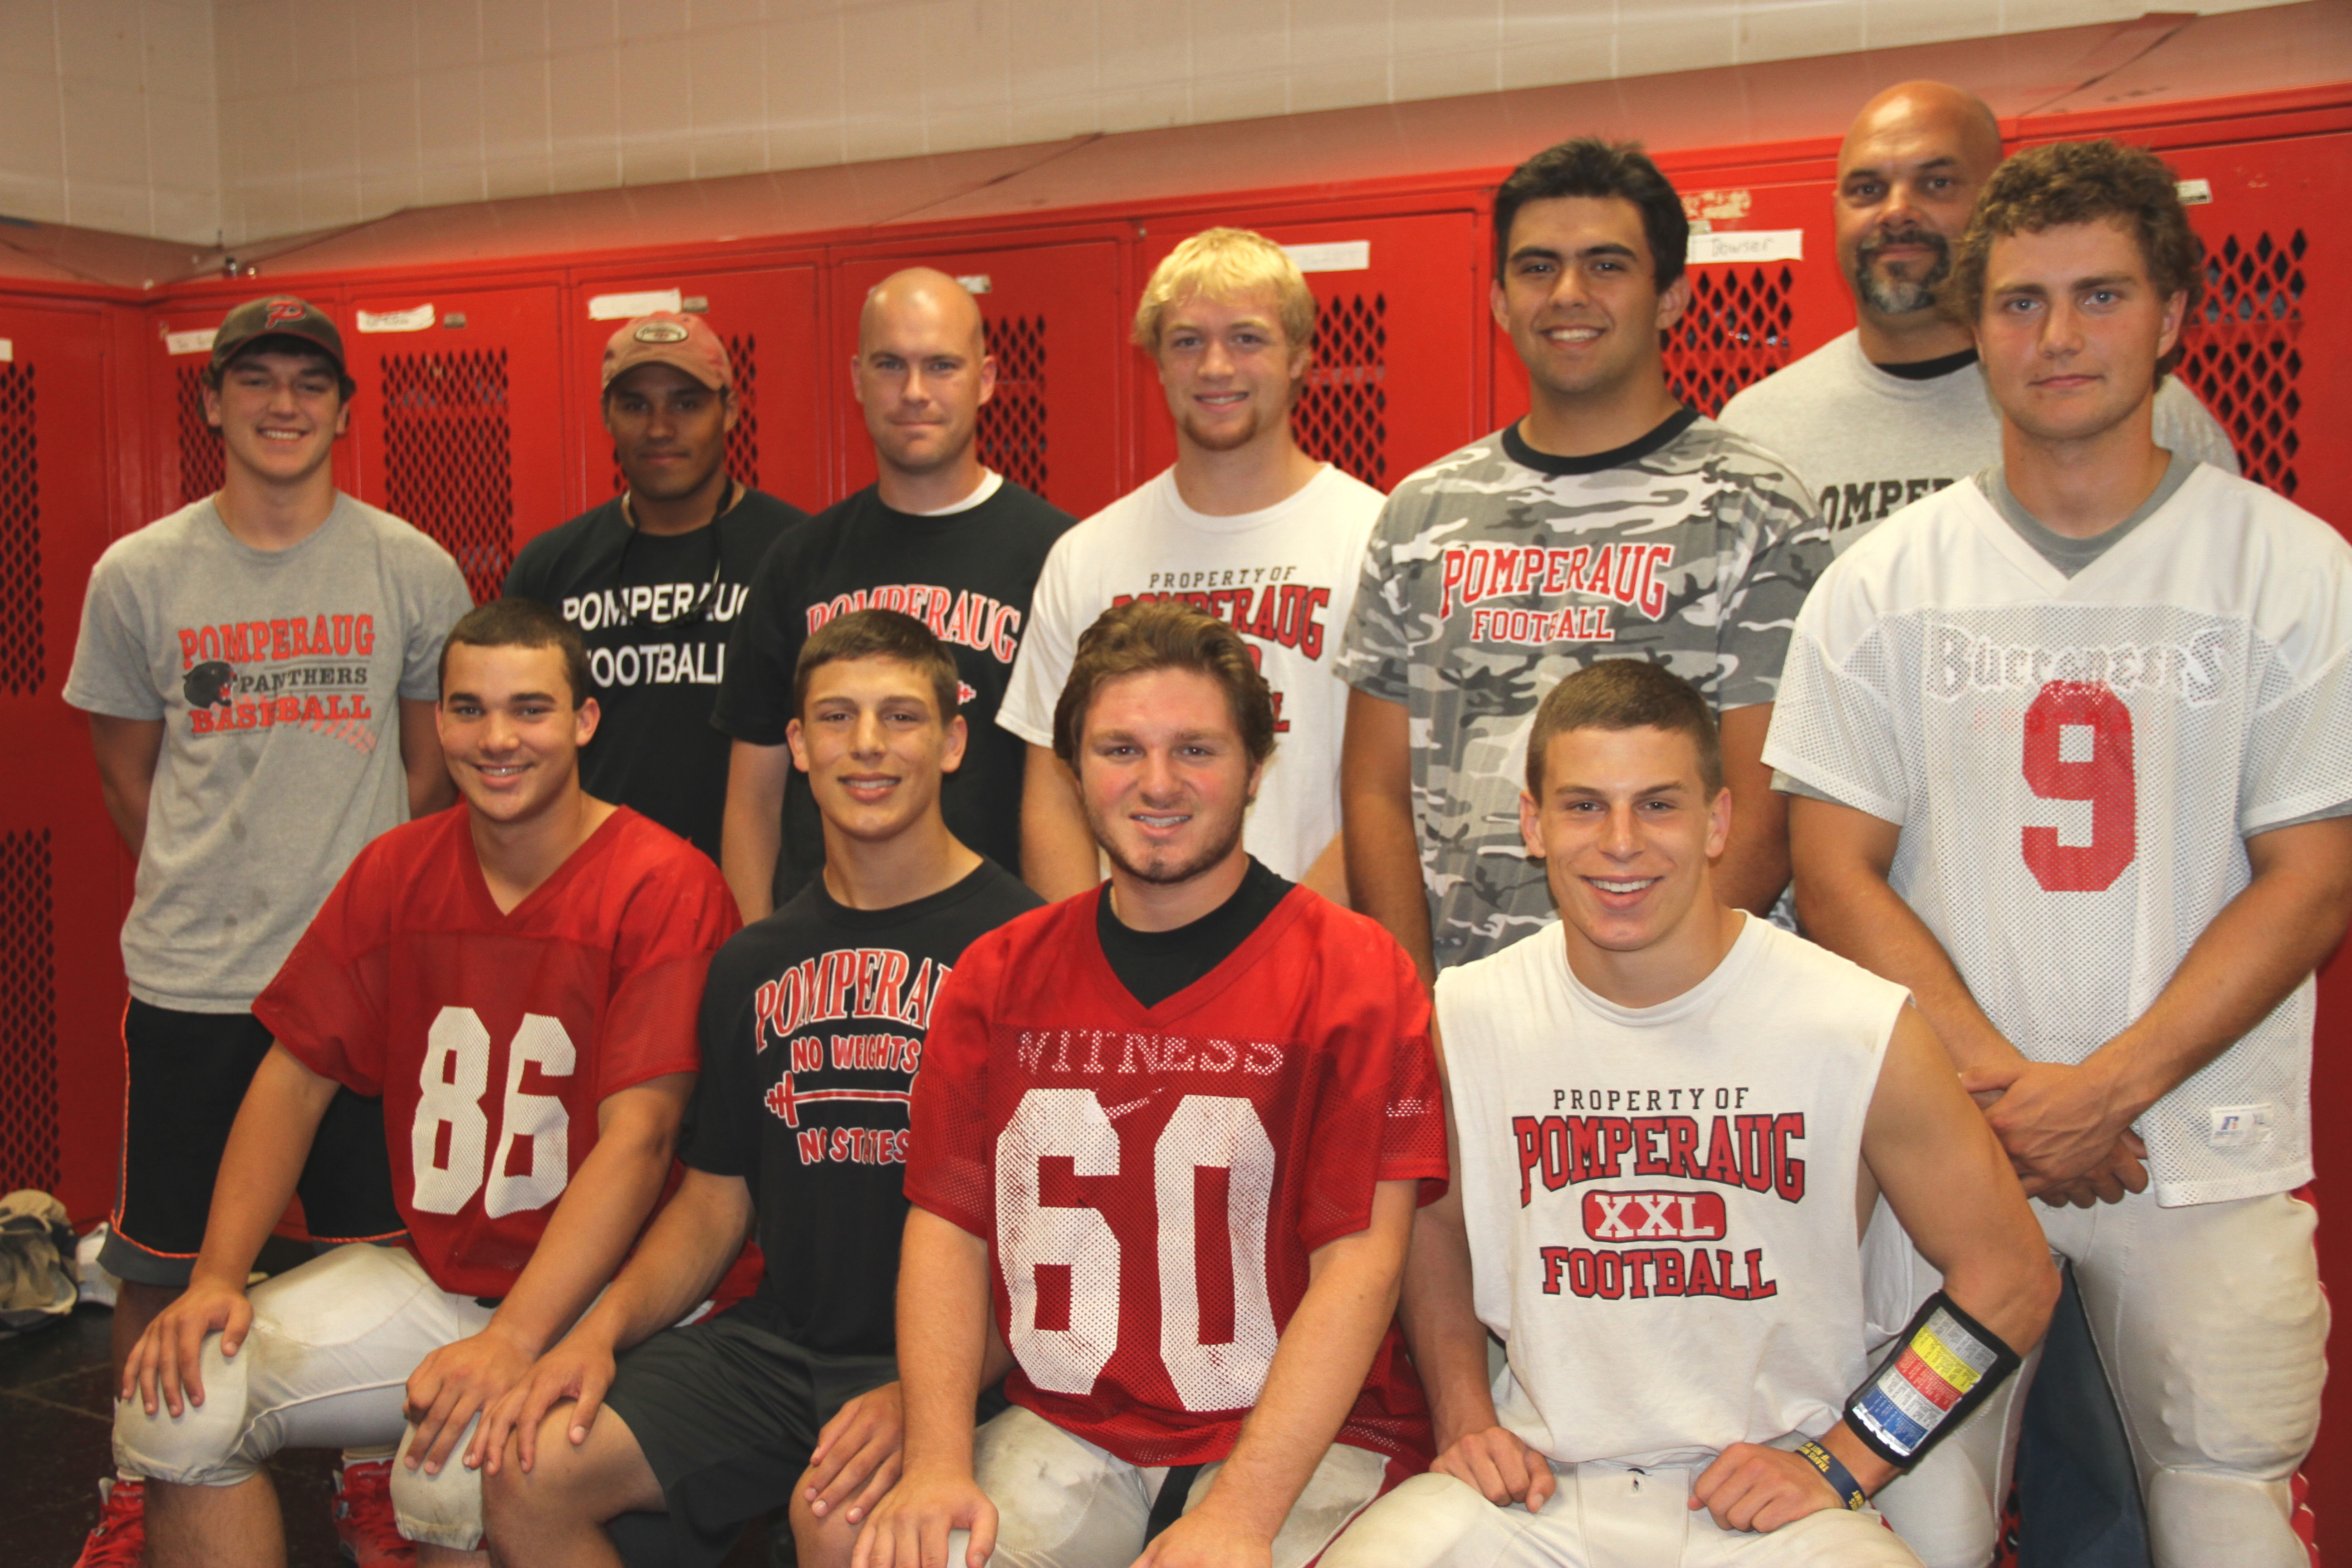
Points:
(2075, 764)
(1660, 1200)
(1286, 578)
(1869, 442)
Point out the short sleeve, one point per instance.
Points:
(1413, 1143)
(1375, 655)
(330, 1003)
(2184, 426)
(718, 1135)
(437, 595)
(755, 694)
(1380, 1117)
(1759, 611)
(676, 920)
(1833, 725)
(950, 1163)
(2299, 755)
(1048, 646)
(112, 672)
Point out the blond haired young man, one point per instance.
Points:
(1244, 525)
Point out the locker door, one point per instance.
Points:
(64, 878)
(1392, 387)
(459, 427)
(768, 319)
(1746, 318)
(1057, 330)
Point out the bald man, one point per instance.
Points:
(940, 536)
(1896, 408)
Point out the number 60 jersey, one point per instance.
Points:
(2076, 762)
(1152, 1181)
(493, 1036)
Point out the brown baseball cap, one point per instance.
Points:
(666, 337)
(277, 316)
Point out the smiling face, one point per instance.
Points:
(1164, 775)
(1625, 829)
(2071, 328)
(923, 371)
(1228, 370)
(1908, 174)
(669, 431)
(278, 414)
(509, 730)
(1580, 297)
(871, 741)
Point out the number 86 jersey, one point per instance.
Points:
(2075, 764)
(1152, 1181)
(494, 1036)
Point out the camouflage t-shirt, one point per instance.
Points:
(1498, 570)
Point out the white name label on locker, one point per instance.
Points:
(1332, 255)
(1748, 245)
(7, 350)
(625, 306)
(196, 342)
(2195, 193)
(418, 319)
(975, 282)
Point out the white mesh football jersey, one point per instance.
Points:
(1660, 1201)
(2075, 764)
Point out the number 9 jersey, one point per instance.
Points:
(493, 1038)
(2076, 762)
(1151, 1182)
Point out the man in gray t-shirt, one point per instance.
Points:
(258, 670)
(1611, 522)
(1896, 408)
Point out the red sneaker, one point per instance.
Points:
(120, 1539)
(364, 1531)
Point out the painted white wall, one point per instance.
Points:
(254, 118)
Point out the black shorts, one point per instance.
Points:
(187, 1075)
(726, 1415)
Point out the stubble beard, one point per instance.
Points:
(1900, 296)
(1161, 872)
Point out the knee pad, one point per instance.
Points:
(2197, 1518)
(204, 1446)
(442, 1510)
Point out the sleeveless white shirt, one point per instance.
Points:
(1660, 1200)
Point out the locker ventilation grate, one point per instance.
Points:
(202, 458)
(448, 457)
(743, 441)
(2241, 357)
(1734, 333)
(1013, 423)
(1341, 414)
(23, 664)
(28, 1014)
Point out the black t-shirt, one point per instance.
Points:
(1156, 965)
(968, 575)
(654, 750)
(813, 1026)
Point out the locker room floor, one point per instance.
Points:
(56, 1413)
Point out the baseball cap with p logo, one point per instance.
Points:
(277, 316)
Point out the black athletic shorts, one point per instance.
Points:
(187, 1075)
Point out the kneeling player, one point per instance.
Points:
(518, 979)
(1670, 1121)
(812, 1029)
(1173, 1130)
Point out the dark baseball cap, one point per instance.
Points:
(275, 316)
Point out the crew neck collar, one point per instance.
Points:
(1516, 446)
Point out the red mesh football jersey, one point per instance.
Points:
(492, 1037)
(1151, 1182)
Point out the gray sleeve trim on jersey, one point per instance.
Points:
(2331, 813)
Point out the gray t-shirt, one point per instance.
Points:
(1498, 570)
(277, 675)
(1869, 443)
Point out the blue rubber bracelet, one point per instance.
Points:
(1834, 1471)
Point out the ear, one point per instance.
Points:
(856, 380)
(798, 741)
(987, 377)
(951, 752)
(343, 419)
(1719, 822)
(1498, 304)
(212, 407)
(584, 719)
(1531, 826)
(2175, 311)
(1673, 301)
(730, 409)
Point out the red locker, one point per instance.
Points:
(457, 424)
(1056, 319)
(1393, 381)
(768, 319)
(63, 880)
